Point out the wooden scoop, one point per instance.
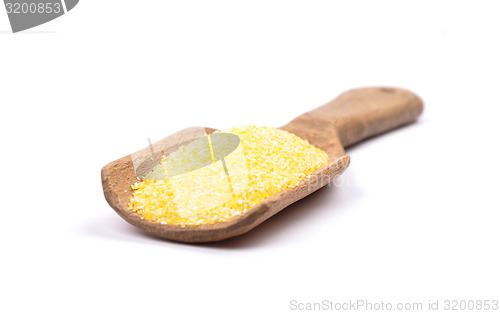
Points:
(351, 117)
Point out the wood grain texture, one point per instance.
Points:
(353, 116)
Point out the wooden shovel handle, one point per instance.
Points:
(361, 113)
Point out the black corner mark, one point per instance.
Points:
(26, 14)
(70, 4)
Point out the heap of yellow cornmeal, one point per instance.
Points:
(265, 162)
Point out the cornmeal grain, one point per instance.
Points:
(266, 161)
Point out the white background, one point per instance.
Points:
(414, 218)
